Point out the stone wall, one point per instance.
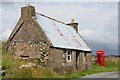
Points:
(88, 60)
(59, 63)
(84, 60)
(39, 50)
(81, 62)
(56, 58)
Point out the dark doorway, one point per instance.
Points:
(77, 59)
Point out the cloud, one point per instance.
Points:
(5, 34)
(0, 18)
(98, 22)
(60, 0)
(99, 37)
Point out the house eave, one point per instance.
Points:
(70, 49)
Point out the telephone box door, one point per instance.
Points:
(100, 57)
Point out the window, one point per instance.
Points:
(69, 56)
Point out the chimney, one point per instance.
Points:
(28, 10)
(74, 25)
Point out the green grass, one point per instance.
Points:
(14, 72)
(109, 67)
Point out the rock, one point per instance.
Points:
(39, 66)
(46, 57)
(29, 65)
(32, 64)
(3, 72)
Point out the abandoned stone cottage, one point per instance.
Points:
(56, 44)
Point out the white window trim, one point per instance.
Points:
(69, 55)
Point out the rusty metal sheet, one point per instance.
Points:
(61, 35)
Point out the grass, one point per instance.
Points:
(14, 72)
(111, 64)
(95, 69)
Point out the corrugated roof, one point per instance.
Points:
(61, 35)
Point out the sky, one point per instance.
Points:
(98, 20)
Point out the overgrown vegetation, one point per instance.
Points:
(13, 71)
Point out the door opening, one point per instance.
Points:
(77, 59)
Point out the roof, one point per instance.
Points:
(61, 35)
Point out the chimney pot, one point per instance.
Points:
(74, 25)
(72, 20)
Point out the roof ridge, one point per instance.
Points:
(51, 18)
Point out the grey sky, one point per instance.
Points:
(59, 0)
(98, 21)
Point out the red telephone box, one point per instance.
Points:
(100, 57)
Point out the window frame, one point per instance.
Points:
(69, 55)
